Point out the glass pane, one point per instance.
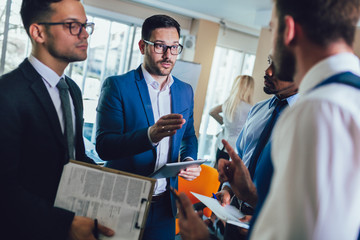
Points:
(75, 71)
(18, 43)
(2, 22)
(249, 61)
(116, 59)
(136, 56)
(96, 58)
(93, 71)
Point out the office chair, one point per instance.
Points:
(206, 184)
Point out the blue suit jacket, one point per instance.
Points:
(124, 114)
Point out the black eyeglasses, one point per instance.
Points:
(75, 28)
(162, 48)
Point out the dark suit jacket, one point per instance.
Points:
(33, 152)
(124, 116)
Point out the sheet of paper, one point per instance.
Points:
(117, 201)
(229, 213)
(239, 224)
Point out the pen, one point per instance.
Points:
(96, 230)
(214, 196)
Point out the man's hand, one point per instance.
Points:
(190, 173)
(82, 229)
(222, 169)
(191, 225)
(166, 126)
(224, 197)
(237, 174)
(243, 231)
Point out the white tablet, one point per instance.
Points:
(172, 169)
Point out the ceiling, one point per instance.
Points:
(243, 15)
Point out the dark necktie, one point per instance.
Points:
(265, 134)
(66, 109)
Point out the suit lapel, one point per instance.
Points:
(144, 96)
(39, 89)
(175, 103)
(175, 108)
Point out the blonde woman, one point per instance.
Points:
(234, 112)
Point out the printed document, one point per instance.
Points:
(117, 199)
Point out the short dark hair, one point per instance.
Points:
(35, 11)
(158, 21)
(323, 21)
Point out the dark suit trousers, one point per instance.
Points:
(160, 224)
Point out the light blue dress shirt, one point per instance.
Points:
(257, 118)
(254, 125)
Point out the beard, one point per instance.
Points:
(284, 60)
(271, 89)
(154, 67)
(268, 90)
(68, 56)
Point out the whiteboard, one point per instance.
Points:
(188, 72)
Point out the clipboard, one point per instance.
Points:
(172, 169)
(118, 200)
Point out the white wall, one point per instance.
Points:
(229, 38)
(261, 64)
(136, 13)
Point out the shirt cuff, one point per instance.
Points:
(226, 184)
(148, 133)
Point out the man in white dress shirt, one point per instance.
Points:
(315, 190)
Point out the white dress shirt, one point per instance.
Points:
(161, 105)
(51, 79)
(232, 127)
(315, 189)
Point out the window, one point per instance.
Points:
(109, 54)
(112, 50)
(14, 42)
(227, 64)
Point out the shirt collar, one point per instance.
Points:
(343, 62)
(45, 72)
(290, 100)
(152, 82)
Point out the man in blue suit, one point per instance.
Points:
(145, 118)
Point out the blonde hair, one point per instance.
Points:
(241, 90)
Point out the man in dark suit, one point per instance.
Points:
(145, 117)
(35, 140)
